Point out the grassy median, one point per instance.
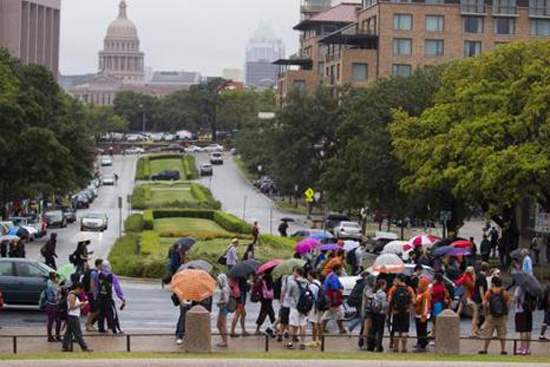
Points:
(160, 195)
(150, 165)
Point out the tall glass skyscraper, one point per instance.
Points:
(262, 49)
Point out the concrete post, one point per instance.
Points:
(198, 335)
(447, 333)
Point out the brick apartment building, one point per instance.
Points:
(382, 38)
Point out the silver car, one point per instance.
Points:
(348, 230)
(94, 222)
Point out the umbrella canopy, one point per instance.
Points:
(287, 219)
(186, 243)
(13, 231)
(244, 269)
(192, 285)
(389, 263)
(423, 240)
(65, 272)
(528, 283)
(287, 267)
(462, 244)
(197, 265)
(306, 245)
(321, 236)
(9, 237)
(268, 266)
(443, 251)
(516, 254)
(395, 247)
(350, 245)
(329, 247)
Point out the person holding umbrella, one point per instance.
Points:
(283, 228)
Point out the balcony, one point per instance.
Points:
(499, 10)
(472, 8)
(539, 12)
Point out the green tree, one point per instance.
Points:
(138, 109)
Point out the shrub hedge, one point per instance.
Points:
(142, 194)
(134, 223)
(227, 221)
(190, 167)
(125, 261)
(143, 169)
(205, 197)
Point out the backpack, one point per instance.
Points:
(530, 302)
(351, 259)
(373, 304)
(63, 307)
(73, 259)
(306, 300)
(257, 292)
(356, 296)
(322, 303)
(401, 299)
(497, 304)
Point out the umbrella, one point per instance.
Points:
(197, 265)
(389, 263)
(395, 247)
(350, 245)
(443, 251)
(286, 219)
(13, 231)
(516, 254)
(321, 236)
(528, 282)
(462, 244)
(192, 285)
(244, 269)
(287, 267)
(306, 245)
(9, 237)
(460, 252)
(65, 272)
(329, 247)
(268, 266)
(423, 240)
(186, 243)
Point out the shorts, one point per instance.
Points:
(495, 323)
(437, 308)
(296, 318)
(334, 313)
(524, 322)
(92, 303)
(315, 316)
(401, 322)
(223, 311)
(284, 313)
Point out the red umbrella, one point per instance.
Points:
(267, 266)
(462, 244)
(423, 240)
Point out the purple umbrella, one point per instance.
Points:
(306, 246)
(460, 252)
(329, 247)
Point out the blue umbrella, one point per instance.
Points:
(13, 231)
(321, 236)
(443, 251)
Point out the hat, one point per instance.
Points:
(234, 241)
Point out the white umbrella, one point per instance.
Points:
(389, 263)
(9, 237)
(395, 247)
(350, 245)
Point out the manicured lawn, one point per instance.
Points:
(160, 195)
(174, 164)
(172, 195)
(195, 227)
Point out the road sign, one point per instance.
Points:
(542, 223)
(310, 195)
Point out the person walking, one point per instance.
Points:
(494, 242)
(4, 249)
(249, 253)
(333, 288)
(315, 316)
(91, 287)
(485, 249)
(401, 299)
(81, 256)
(255, 233)
(297, 320)
(223, 302)
(267, 294)
(105, 304)
(52, 302)
(283, 229)
(422, 314)
(239, 288)
(48, 251)
(17, 249)
(73, 330)
(378, 310)
(527, 262)
(496, 305)
(184, 306)
(284, 311)
(525, 305)
(174, 258)
(468, 281)
(356, 299)
(231, 254)
(546, 308)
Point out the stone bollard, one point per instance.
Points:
(447, 333)
(198, 335)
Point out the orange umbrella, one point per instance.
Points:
(192, 285)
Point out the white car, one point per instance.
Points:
(216, 158)
(157, 137)
(213, 148)
(169, 137)
(348, 230)
(108, 180)
(106, 161)
(193, 149)
(134, 137)
(136, 150)
(94, 222)
(206, 169)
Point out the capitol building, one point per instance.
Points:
(122, 68)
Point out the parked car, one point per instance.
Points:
(333, 219)
(69, 213)
(106, 161)
(22, 281)
(206, 169)
(167, 175)
(349, 230)
(312, 232)
(169, 137)
(380, 240)
(173, 148)
(22, 222)
(213, 148)
(108, 180)
(216, 158)
(136, 150)
(81, 201)
(94, 222)
(192, 149)
(37, 221)
(55, 218)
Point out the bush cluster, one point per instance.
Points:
(125, 260)
(134, 223)
(225, 220)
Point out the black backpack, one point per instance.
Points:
(62, 306)
(356, 296)
(73, 258)
(351, 259)
(306, 300)
(401, 299)
(530, 302)
(322, 303)
(497, 304)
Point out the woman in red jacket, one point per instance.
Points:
(468, 281)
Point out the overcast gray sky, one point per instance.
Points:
(194, 35)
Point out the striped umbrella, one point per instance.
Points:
(423, 240)
(192, 285)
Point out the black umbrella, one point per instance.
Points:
(244, 269)
(287, 219)
(528, 282)
(186, 243)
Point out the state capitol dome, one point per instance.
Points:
(122, 27)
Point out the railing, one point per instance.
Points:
(541, 11)
(504, 10)
(476, 8)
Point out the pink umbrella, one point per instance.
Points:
(462, 244)
(423, 240)
(307, 245)
(267, 266)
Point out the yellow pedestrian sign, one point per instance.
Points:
(310, 195)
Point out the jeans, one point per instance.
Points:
(73, 331)
(422, 333)
(180, 327)
(376, 332)
(51, 312)
(265, 311)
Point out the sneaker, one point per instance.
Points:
(542, 338)
(179, 341)
(482, 352)
(221, 345)
(51, 339)
(504, 353)
(289, 346)
(58, 339)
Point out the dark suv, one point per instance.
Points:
(167, 175)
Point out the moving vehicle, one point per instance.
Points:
(109, 180)
(38, 222)
(173, 148)
(167, 175)
(213, 148)
(192, 149)
(333, 220)
(23, 280)
(380, 240)
(106, 161)
(94, 222)
(136, 150)
(216, 158)
(55, 218)
(206, 169)
(350, 230)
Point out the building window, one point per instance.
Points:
(472, 24)
(539, 7)
(401, 70)
(472, 48)
(504, 25)
(359, 72)
(435, 23)
(433, 47)
(321, 68)
(472, 6)
(539, 27)
(369, 3)
(402, 46)
(338, 72)
(300, 85)
(402, 22)
(504, 7)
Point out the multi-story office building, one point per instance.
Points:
(29, 29)
(395, 37)
(262, 49)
